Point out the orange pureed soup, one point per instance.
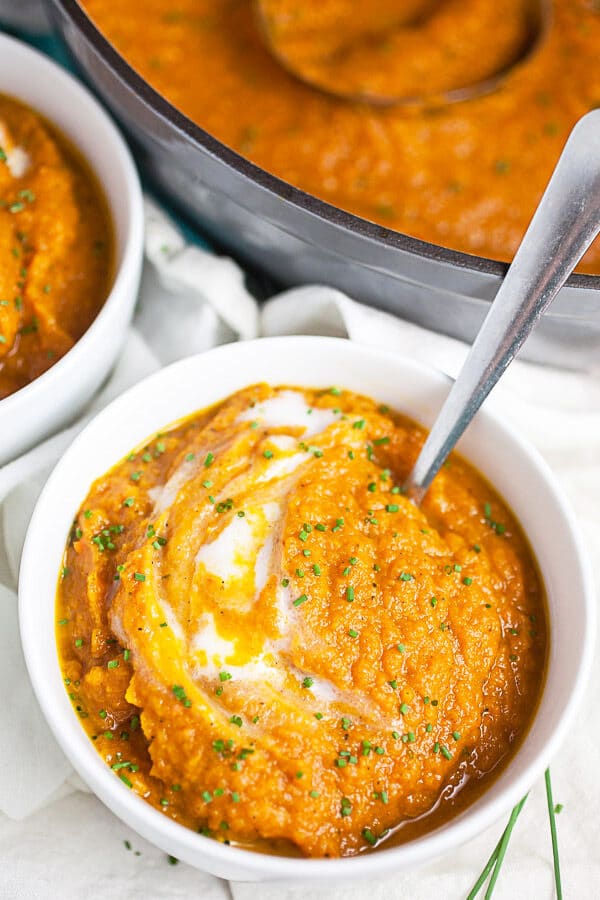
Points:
(56, 245)
(465, 175)
(272, 645)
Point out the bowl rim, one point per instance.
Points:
(333, 215)
(128, 253)
(148, 821)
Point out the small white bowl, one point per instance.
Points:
(57, 396)
(511, 465)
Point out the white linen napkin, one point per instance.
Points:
(56, 841)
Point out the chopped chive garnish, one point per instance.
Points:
(179, 692)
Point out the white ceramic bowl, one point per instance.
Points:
(55, 398)
(502, 456)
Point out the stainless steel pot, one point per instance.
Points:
(25, 15)
(297, 238)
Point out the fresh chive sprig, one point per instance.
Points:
(494, 863)
(552, 817)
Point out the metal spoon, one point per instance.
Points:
(373, 53)
(564, 225)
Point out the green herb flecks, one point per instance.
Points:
(181, 695)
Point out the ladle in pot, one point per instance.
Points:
(402, 52)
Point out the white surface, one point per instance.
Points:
(76, 835)
(58, 395)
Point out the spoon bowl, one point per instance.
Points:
(392, 53)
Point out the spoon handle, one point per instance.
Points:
(565, 223)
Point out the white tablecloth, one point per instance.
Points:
(57, 840)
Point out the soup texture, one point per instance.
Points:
(467, 175)
(56, 246)
(272, 645)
